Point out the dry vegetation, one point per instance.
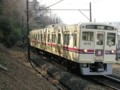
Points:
(19, 76)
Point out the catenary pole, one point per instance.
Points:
(90, 13)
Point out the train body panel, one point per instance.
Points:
(92, 45)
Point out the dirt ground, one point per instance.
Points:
(20, 75)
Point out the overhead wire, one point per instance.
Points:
(54, 4)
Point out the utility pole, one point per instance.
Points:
(27, 7)
(90, 13)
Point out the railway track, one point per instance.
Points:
(63, 79)
(110, 81)
(47, 76)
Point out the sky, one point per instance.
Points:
(102, 10)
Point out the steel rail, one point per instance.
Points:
(108, 81)
(48, 77)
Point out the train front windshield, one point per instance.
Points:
(111, 39)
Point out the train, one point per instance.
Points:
(92, 46)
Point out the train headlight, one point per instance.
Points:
(85, 50)
(112, 51)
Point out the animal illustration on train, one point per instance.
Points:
(91, 45)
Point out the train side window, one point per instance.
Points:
(111, 39)
(53, 37)
(36, 37)
(40, 37)
(75, 39)
(59, 38)
(87, 36)
(48, 37)
(44, 37)
(66, 39)
(32, 36)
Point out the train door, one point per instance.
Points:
(99, 46)
(110, 47)
(105, 46)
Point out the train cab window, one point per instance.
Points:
(87, 36)
(59, 38)
(111, 39)
(100, 39)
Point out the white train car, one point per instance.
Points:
(91, 45)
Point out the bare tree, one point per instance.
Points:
(14, 9)
(40, 15)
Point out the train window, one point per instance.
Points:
(32, 36)
(87, 36)
(48, 37)
(40, 37)
(100, 39)
(44, 36)
(36, 37)
(66, 39)
(59, 38)
(75, 38)
(111, 39)
(53, 37)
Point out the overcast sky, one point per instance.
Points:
(102, 10)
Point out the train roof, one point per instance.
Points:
(55, 25)
(80, 24)
(96, 23)
(85, 23)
